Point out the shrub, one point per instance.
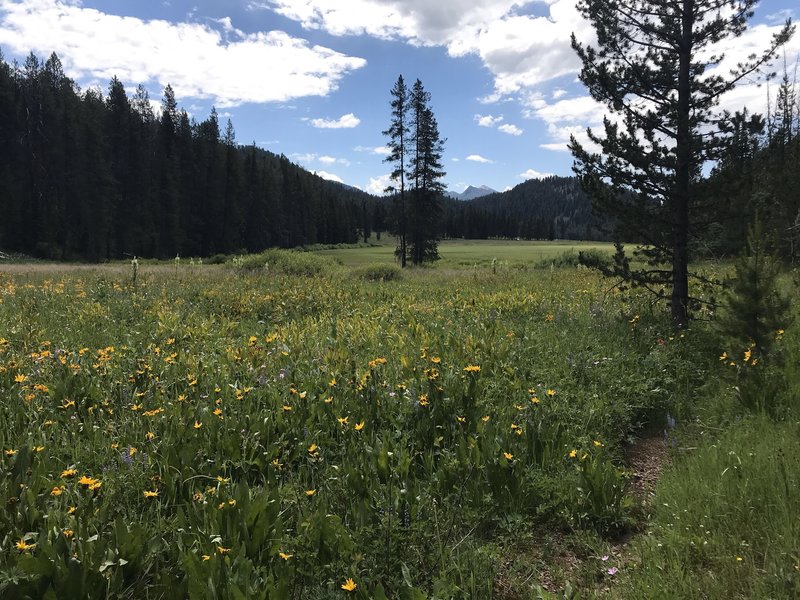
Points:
(379, 272)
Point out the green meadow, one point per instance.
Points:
(321, 425)
(460, 253)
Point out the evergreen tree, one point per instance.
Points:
(398, 134)
(426, 173)
(651, 70)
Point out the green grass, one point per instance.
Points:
(456, 253)
(493, 408)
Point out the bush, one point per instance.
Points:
(286, 262)
(379, 272)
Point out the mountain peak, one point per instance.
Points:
(472, 192)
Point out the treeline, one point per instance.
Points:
(87, 176)
(550, 208)
(757, 178)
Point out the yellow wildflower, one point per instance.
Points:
(349, 585)
(150, 493)
(508, 456)
(359, 426)
(24, 546)
(472, 369)
(285, 556)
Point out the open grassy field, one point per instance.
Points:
(471, 252)
(309, 430)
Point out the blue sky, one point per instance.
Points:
(311, 78)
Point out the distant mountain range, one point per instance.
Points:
(471, 192)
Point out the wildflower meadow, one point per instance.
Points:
(313, 431)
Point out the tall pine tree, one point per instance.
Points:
(654, 69)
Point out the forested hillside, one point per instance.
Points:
(93, 177)
(554, 207)
(90, 176)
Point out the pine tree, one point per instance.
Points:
(426, 173)
(652, 69)
(398, 133)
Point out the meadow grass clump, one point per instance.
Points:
(378, 272)
(287, 262)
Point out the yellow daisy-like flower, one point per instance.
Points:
(86, 480)
(68, 533)
(286, 408)
(423, 400)
(312, 449)
(724, 356)
(535, 400)
(359, 426)
(747, 354)
(223, 550)
(150, 493)
(485, 418)
(20, 378)
(285, 556)
(150, 435)
(10, 452)
(206, 557)
(472, 369)
(598, 444)
(461, 419)
(573, 453)
(551, 393)
(72, 510)
(57, 491)
(332, 382)
(343, 420)
(508, 456)
(24, 546)
(310, 493)
(349, 585)
(197, 424)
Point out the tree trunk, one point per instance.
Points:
(680, 227)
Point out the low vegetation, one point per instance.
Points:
(304, 431)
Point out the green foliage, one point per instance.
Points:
(754, 308)
(725, 523)
(754, 315)
(379, 272)
(287, 262)
(272, 434)
(645, 174)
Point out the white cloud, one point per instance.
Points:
(379, 150)
(519, 50)
(329, 176)
(378, 185)
(330, 160)
(310, 158)
(510, 129)
(198, 60)
(534, 174)
(487, 120)
(347, 121)
(479, 159)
